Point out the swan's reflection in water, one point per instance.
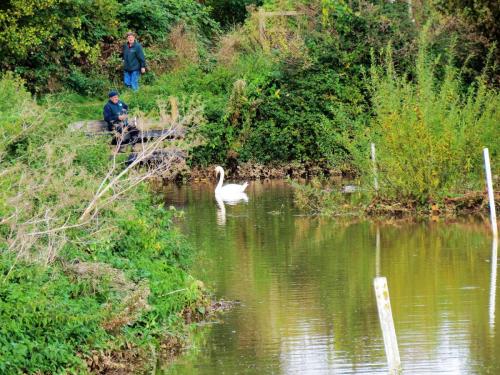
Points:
(222, 201)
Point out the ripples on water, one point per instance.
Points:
(307, 301)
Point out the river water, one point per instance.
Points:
(305, 290)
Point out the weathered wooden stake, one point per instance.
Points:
(493, 283)
(410, 11)
(374, 164)
(262, 26)
(491, 193)
(387, 324)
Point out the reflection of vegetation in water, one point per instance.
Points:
(198, 335)
(300, 276)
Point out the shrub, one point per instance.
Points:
(476, 27)
(91, 83)
(47, 319)
(314, 100)
(17, 112)
(303, 116)
(230, 12)
(40, 38)
(430, 133)
(154, 19)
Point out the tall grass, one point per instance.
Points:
(430, 131)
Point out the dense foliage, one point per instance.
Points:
(38, 38)
(54, 43)
(475, 23)
(312, 88)
(231, 12)
(430, 133)
(303, 110)
(154, 19)
(72, 291)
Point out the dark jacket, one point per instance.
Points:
(112, 111)
(133, 57)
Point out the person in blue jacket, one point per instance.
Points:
(134, 62)
(115, 115)
(115, 111)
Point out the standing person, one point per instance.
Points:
(134, 62)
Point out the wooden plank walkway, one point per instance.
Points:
(149, 130)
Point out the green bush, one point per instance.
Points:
(90, 84)
(475, 26)
(73, 43)
(312, 102)
(47, 319)
(227, 120)
(94, 158)
(40, 38)
(430, 133)
(17, 112)
(153, 19)
(303, 116)
(355, 31)
(230, 12)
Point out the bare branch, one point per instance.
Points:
(147, 152)
(58, 229)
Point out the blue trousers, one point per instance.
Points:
(131, 79)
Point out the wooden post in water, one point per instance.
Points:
(491, 193)
(493, 284)
(374, 165)
(377, 253)
(387, 324)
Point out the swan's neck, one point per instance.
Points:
(221, 213)
(221, 204)
(221, 179)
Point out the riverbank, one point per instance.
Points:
(350, 198)
(94, 275)
(340, 192)
(470, 203)
(144, 359)
(256, 171)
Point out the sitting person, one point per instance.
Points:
(115, 111)
(115, 115)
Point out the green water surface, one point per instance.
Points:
(305, 287)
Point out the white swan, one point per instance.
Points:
(229, 192)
